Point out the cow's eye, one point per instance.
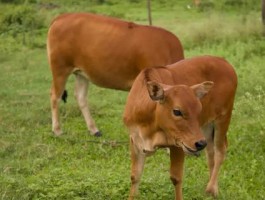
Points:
(177, 112)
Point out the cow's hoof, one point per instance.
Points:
(98, 134)
(57, 132)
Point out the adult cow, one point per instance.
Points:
(168, 107)
(106, 51)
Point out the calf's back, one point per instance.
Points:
(140, 109)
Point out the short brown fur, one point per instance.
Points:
(106, 51)
(177, 119)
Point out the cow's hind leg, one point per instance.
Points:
(220, 146)
(137, 165)
(176, 170)
(81, 88)
(57, 90)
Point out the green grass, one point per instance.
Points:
(34, 164)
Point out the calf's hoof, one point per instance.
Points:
(212, 190)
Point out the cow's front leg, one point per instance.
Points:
(137, 165)
(176, 170)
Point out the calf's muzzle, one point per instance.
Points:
(200, 145)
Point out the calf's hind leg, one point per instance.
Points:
(220, 146)
(208, 131)
(81, 88)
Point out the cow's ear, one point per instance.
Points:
(202, 89)
(156, 91)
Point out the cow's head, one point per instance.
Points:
(177, 113)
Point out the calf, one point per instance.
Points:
(183, 106)
(106, 51)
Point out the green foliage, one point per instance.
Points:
(229, 4)
(22, 25)
(134, 1)
(240, 3)
(21, 19)
(18, 1)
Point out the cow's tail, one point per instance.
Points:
(64, 96)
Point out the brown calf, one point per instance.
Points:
(106, 51)
(183, 106)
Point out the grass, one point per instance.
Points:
(34, 164)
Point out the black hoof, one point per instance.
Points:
(98, 134)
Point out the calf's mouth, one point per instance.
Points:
(189, 150)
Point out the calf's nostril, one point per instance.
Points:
(200, 144)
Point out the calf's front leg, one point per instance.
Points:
(137, 165)
(176, 170)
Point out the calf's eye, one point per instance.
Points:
(177, 112)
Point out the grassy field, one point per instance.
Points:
(34, 164)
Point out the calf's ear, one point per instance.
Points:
(155, 90)
(202, 89)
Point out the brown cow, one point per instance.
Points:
(166, 107)
(106, 51)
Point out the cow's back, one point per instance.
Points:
(109, 51)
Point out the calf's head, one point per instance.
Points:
(177, 113)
